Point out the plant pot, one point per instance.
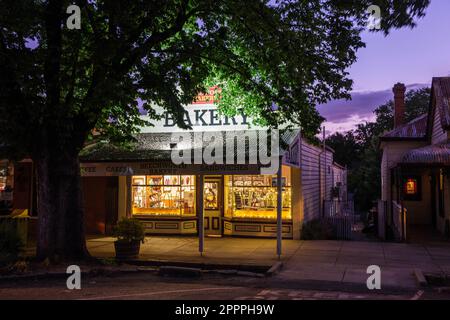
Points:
(127, 250)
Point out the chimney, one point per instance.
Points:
(399, 104)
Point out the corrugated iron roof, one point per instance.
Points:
(418, 128)
(415, 129)
(157, 146)
(433, 154)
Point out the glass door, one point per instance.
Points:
(213, 206)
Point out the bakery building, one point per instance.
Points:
(224, 198)
(415, 169)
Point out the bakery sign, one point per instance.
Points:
(200, 115)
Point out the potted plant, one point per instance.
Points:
(130, 233)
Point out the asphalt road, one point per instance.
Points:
(152, 287)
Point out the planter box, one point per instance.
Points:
(127, 250)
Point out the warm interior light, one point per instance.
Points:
(411, 186)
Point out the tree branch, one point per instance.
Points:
(52, 63)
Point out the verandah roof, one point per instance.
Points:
(437, 154)
(157, 147)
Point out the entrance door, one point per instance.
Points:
(213, 206)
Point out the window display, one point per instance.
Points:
(211, 194)
(255, 196)
(163, 195)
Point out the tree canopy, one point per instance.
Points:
(292, 53)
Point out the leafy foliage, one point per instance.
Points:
(317, 229)
(63, 83)
(10, 242)
(129, 230)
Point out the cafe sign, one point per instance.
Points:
(101, 169)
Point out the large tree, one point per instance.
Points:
(58, 84)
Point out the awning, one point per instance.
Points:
(437, 154)
(157, 146)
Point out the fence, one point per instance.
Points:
(340, 214)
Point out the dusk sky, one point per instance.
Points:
(411, 56)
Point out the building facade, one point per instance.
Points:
(415, 169)
(230, 199)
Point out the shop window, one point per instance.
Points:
(412, 188)
(255, 197)
(169, 195)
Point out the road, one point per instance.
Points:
(149, 286)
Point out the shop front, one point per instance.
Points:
(169, 199)
(227, 191)
(239, 205)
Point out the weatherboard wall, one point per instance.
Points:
(317, 179)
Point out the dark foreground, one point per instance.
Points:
(144, 286)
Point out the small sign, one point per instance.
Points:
(209, 97)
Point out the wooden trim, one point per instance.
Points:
(240, 226)
(167, 226)
(215, 225)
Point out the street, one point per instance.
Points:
(152, 287)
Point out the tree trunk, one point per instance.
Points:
(60, 207)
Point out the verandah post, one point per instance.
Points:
(201, 230)
(279, 210)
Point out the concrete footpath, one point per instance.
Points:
(314, 263)
(344, 263)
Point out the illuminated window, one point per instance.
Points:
(169, 195)
(412, 188)
(255, 196)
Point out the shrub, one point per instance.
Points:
(317, 229)
(11, 244)
(129, 230)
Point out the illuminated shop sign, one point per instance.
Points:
(202, 115)
(206, 117)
